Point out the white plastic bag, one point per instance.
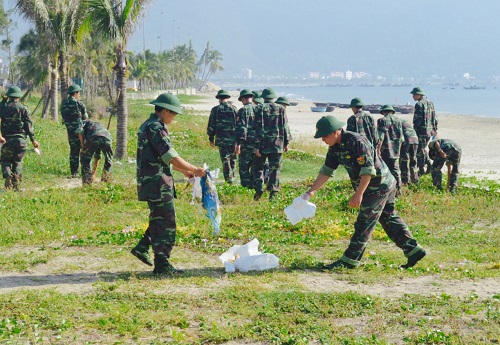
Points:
(299, 209)
(248, 258)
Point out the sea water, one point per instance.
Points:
(446, 99)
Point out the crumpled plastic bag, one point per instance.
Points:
(300, 209)
(248, 258)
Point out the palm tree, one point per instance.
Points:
(115, 20)
(210, 59)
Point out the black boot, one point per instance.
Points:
(163, 267)
(141, 251)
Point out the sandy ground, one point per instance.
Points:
(478, 136)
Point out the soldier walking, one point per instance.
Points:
(361, 122)
(443, 151)
(425, 124)
(408, 156)
(221, 132)
(73, 113)
(244, 138)
(15, 128)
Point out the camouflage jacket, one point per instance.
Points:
(93, 130)
(244, 124)
(270, 128)
(16, 122)
(409, 134)
(363, 123)
(222, 125)
(447, 145)
(424, 118)
(73, 110)
(390, 134)
(154, 153)
(358, 157)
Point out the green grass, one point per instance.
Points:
(66, 275)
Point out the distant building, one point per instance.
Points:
(339, 75)
(348, 75)
(314, 75)
(247, 72)
(359, 75)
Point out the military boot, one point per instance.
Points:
(163, 267)
(141, 251)
(412, 260)
(337, 265)
(257, 195)
(272, 195)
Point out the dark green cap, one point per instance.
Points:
(245, 93)
(168, 101)
(326, 125)
(282, 100)
(14, 92)
(387, 107)
(356, 102)
(74, 88)
(268, 93)
(417, 91)
(223, 94)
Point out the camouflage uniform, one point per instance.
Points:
(426, 125)
(73, 112)
(97, 140)
(244, 137)
(408, 157)
(390, 134)
(363, 123)
(221, 130)
(16, 127)
(272, 135)
(358, 157)
(453, 154)
(155, 185)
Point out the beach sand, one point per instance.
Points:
(478, 136)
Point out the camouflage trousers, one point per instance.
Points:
(161, 231)
(379, 206)
(228, 158)
(393, 165)
(74, 147)
(245, 161)
(94, 148)
(422, 155)
(437, 176)
(12, 155)
(273, 184)
(408, 163)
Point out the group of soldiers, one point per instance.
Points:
(87, 139)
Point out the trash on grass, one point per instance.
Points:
(248, 258)
(299, 210)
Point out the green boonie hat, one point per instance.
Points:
(387, 107)
(222, 94)
(268, 93)
(282, 100)
(14, 92)
(245, 92)
(74, 88)
(258, 100)
(417, 91)
(168, 101)
(326, 125)
(356, 102)
(257, 94)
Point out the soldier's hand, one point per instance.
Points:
(2, 140)
(257, 153)
(35, 144)
(237, 150)
(212, 144)
(199, 172)
(355, 201)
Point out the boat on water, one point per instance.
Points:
(404, 109)
(318, 109)
(293, 104)
(321, 104)
(474, 87)
(330, 108)
(373, 108)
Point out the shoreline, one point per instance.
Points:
(477, 135)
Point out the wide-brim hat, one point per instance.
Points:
(14, 92)
(326, 125)
(356, 102)
(222, 94)
(74, 88)
(282, 100)
(268, 93)
(168, 101)
(259, 100)
(417, 91)
(244, 93)
(387, 107)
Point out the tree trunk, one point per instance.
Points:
(63, 72)
(54, 104)
(122, 111)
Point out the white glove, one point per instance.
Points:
(306, 196)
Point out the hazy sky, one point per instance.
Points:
(396, 37)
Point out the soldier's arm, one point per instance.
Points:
(83, 110)
(28, 127)
(439, 150)
(212, 121)
(2, 140)
(351, 124)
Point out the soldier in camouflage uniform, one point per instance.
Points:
(390, 136)
(408, 157)
(283, 101)
(425, 124)
(94, 139)
(155, 158)
(73, 113)
(375, 190)
(15, 128)
(221, 132)
(244, 138)
(272, 136)
(257, 99)
(443, 151)
(361, 122)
